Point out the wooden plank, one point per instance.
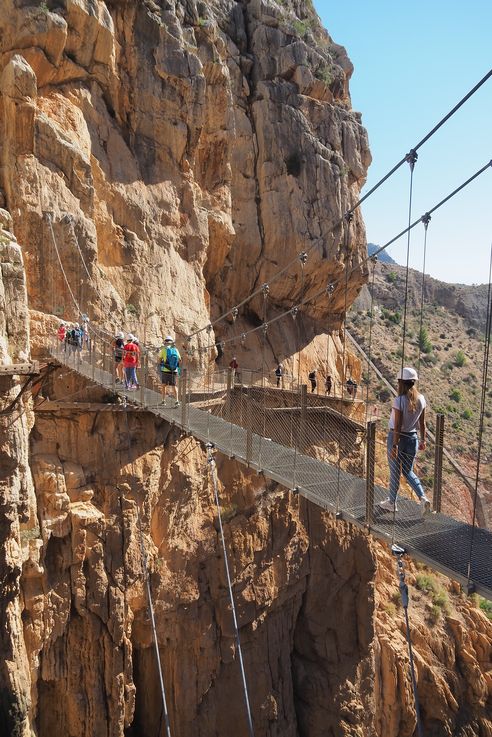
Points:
(60, 406)
(19, 369)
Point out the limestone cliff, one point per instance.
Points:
(190, 150)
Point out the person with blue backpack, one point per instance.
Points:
(169, 363)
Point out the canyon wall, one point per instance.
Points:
(159, 161)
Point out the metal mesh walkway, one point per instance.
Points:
(455, 548)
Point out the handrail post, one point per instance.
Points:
(438, 456)
(228, 412)
(249, 428)
(370, 466)
(93, 359)
(104, 358)
(303, 422)
(113, 368)
(182, 383)
(142, 380)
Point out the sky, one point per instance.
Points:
(413, 61)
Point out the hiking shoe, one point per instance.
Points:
(388, 505)
(425, 504)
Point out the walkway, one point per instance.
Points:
(437, 540)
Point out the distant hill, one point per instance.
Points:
(383, 256)
(450, 363)
(467, 302)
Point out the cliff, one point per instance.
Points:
(184, 153)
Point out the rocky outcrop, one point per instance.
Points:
(322, 631)
(197, 149)
(18, 522)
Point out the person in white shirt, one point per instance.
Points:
(407, 414)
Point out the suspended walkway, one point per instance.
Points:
(280, 443)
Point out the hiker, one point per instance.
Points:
(351, 387)
(85, 332)
(328, 385)
(118, 344)
(407, 414)
(130, 362)
(234, 368)
(312, 378)
(279, 373)
(66, 340)
(62, 329)
(74, 338)
(169, 363)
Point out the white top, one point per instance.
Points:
(410, 420)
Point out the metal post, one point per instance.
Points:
(93, 359)
(113, 367)
(436, 504)
(182, 382)
(228, 412)
(303, 423)
(104, 358)
(249, 427)
(142, 380)
(370, 464)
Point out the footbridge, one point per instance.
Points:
(325, 449)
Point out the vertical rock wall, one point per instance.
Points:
(17, 501)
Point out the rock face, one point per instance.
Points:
(17, 500)
(198, 149)
(322, 634)
(160, 161)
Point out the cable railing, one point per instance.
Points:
(316, 445)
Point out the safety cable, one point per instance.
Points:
(402, 585)
(357, 204)
(485, 371)
(374, 260)
(333, 284)
(348, 220)
(412, 158)
(150, 604)
(213, 474)
(425, 220)
(50, 224)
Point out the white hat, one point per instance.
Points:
(407, 374)
(129, 336)
(121, 334)
(77, 325)
(169, 339)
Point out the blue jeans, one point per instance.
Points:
(130, 376)
(403, 464)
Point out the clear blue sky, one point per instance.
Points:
(413, 62)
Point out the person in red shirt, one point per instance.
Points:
(61, 332)
(234, 366)
(131, 353)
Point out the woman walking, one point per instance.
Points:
(407, 414)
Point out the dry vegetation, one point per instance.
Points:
(448, 351)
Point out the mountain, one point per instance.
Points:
(383, 256)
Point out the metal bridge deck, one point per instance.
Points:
(437, 540)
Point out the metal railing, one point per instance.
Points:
(320, 446)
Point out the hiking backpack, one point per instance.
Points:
(172, 359)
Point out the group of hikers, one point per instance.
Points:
(351, 385)
(74, 336)
(127, 356)
(407, 414)
(127, 359)
(126, 353)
